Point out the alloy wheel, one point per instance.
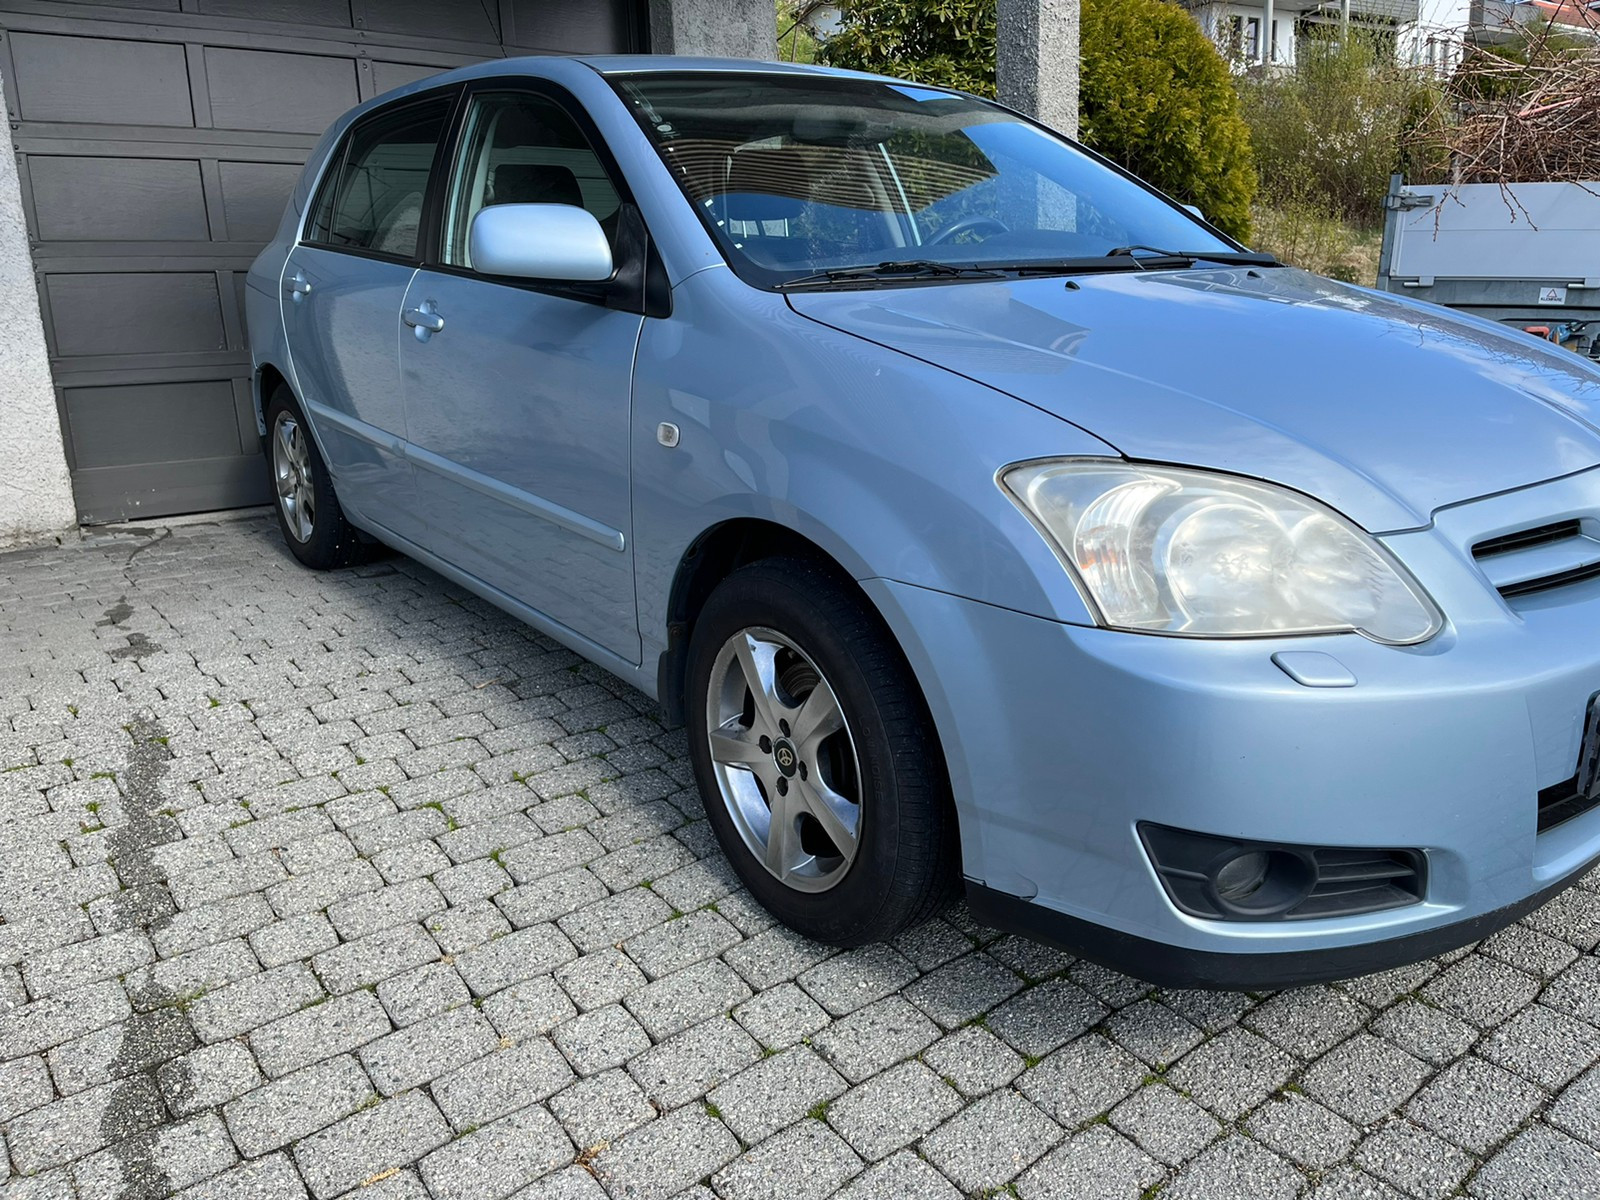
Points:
(291, 470)
(785, 759)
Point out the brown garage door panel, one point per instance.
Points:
(460, 20)
(199, 485)
(152, 423)
(143, 312)
(283, 93)
(386, 76)
(572, 26)
(155, 199)
(145, 5)
(89, 80)
(335, 13)
(254, 196)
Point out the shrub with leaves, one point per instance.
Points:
(944, 42)
(1155, 96)
(1334, 128)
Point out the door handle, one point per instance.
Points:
(425, 320)
(298, 285)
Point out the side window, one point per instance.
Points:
(520, 148)
(374, 201)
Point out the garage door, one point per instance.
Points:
(157, 143)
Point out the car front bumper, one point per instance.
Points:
(1061, 739)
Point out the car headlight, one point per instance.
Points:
(1175, 551)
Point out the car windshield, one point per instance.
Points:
(808, 179)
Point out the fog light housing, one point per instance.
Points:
(1241, 876)
(1232, 879)
(1258, 882)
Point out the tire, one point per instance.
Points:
(309, 516)
(873, 771)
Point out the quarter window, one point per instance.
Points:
(520, 148)
(375, 202)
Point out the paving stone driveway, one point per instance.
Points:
(349, 883)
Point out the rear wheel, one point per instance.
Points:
(309, 515)
(822, 775)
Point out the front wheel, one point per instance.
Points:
(823, 778)
(309, 515)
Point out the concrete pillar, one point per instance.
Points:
(1037, 60)
(35, 489)
(715, 28)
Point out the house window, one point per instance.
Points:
(1244, 36)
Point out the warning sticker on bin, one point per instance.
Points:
(1552, 295)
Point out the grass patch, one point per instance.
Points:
(1305, 233)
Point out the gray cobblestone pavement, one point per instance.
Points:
(314, 885)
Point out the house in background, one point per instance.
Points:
(1492, 22)
(1266, 35)
(1445, 28)
(1428, 34)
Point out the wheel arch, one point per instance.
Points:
(268, 378)
(719, 551)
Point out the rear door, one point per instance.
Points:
(343, 287)
(518, 394)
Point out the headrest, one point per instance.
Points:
(535, 183)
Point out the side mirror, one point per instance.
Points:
(1194, 210)
(540, 241)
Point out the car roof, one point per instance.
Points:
(554, 66)
(560, 68)
(630, 64)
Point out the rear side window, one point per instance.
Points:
(374, 201)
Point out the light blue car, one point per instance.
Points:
(988, 518)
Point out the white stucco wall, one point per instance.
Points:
(35, 489)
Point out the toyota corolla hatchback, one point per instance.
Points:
(989, 519)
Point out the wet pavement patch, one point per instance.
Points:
(135, 1116)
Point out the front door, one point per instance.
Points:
(518, 396)
(343, 287)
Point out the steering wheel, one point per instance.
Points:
(967, 225)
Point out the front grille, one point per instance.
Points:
(1539, 535)
(1561, 802)
(1540, 558)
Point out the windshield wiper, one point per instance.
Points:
(901, 270)
(1123, 258)
(1157, 257)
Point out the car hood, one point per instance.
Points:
(1383, 407)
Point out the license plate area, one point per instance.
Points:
(1576, 796)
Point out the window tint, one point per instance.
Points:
(375, 201)
(519, 148)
